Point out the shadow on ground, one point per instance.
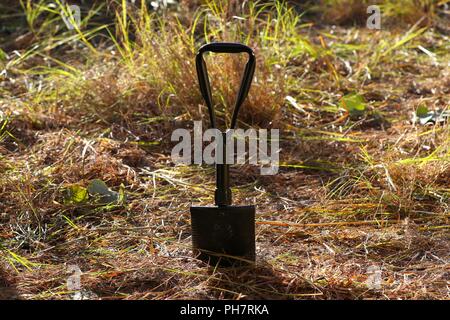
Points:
(255, 283)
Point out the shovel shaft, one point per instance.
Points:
(223, 191)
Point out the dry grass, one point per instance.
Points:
(352, 195)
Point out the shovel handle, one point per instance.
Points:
(223, 191)
(205, 87)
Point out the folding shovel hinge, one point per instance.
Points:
(223, 197)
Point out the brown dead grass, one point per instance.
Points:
(358, 195)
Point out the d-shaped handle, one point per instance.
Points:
(205, 87)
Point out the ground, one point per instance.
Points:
(358, 210)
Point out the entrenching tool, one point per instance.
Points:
(224, 234)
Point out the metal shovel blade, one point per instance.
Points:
(224, 235)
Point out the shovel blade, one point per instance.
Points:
(224, 235)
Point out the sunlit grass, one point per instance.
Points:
(100, 102)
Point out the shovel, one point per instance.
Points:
(224, 234)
